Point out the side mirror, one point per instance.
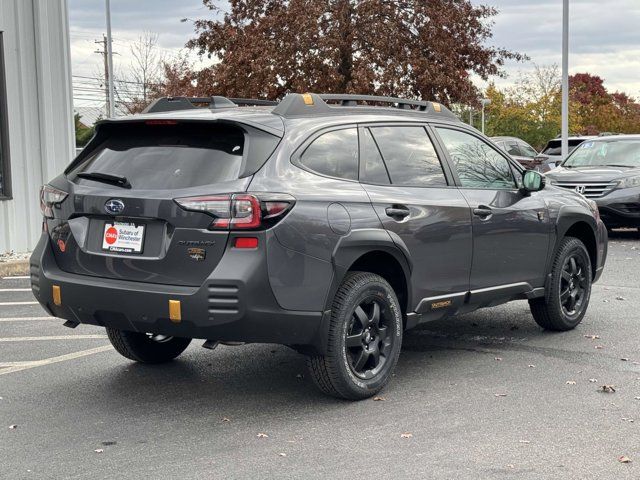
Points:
(533, 181)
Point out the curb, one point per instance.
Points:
(14, 267)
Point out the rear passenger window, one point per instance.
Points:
(373, 169)
(410, 156)
(334, 154)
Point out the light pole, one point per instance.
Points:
(484, 102)
(565, 79)
(110, 61)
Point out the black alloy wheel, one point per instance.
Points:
(367, 341)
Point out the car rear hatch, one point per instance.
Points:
(121, 219)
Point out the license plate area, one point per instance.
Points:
(123, 237)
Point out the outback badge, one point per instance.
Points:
(197, 254)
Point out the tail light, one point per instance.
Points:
(50, 198)
(240, 211)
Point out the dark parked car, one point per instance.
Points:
(322, 222)
(606, 170)
(519, 150)
(551, 155)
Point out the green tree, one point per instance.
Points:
(83, 133)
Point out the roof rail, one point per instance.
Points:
(170, 104)
(309, 104)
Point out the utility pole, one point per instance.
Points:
(485, 102)
(109, 51)
(105, 56)
(565, 79)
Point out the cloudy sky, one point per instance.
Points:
(605, 38)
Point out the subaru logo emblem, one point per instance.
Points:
(580, 189)
(114, 206)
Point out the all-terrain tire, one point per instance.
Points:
(142, 348)
(334, 373)
(550, 312)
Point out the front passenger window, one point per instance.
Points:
(478, 164)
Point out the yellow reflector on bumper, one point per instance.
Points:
(175, 313)
(57, 295)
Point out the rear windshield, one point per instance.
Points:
(554, 147)
(156, 157)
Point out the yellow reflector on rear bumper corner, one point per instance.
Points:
(57, 295)
(308, 99)
(175, 313)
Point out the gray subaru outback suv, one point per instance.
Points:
(328, 223)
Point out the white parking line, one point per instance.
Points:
(16, 277)
(8, 304)
(52, 337)
(27, 319)
(15, 289)
(48, 361)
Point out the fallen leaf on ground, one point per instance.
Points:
(624, 459)
(262, 435)
(379, 399)
(225, 419)
(13, 427)
(406, 435)
(599, 347)
(620, 298)
(500, 394)
(571, 382)
(524, 441)
(593, 380)
(624, 359)
(531, 366)
(99, 450)
(607, 389)
(498, 359)
(282, 454)
(637, 398)
(592, 337)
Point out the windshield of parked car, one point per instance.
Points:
(618, 153)
(554, 147)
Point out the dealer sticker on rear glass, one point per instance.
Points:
(123, 237)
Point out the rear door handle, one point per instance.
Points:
(482, 212)
(397, 212)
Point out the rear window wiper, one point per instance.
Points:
(116, 180)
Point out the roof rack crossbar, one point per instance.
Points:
(254, 102)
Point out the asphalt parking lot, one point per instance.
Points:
(487, 395)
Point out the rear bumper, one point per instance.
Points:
(234, 304)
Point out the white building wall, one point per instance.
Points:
(39, 103)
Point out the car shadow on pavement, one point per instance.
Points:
(270, 381)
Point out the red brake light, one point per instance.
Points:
(239, 211)
(161, 122)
